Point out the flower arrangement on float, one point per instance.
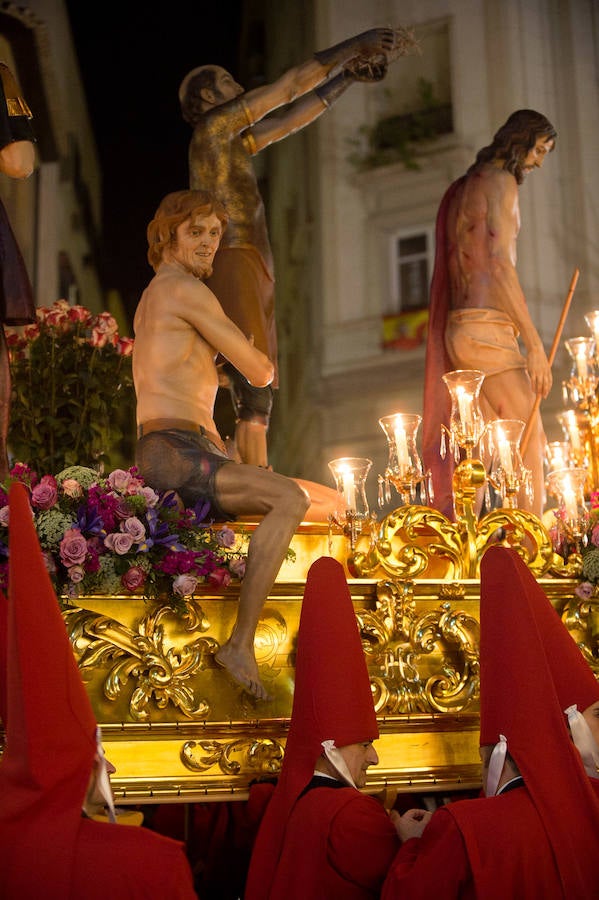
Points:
(589, 552)
(72, 393)
(115, 535)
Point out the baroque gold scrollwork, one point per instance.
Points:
(160, 671)
(581, 618)
(256, 757)
(414, 542)
(420, 542)
(522, 531)
(427, 661)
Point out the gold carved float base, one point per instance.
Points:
(178, 729)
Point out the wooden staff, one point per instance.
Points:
(551, 357)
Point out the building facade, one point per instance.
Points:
(352, 204)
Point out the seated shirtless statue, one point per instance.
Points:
(180, 327)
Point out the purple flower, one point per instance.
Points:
(134, 527)
(178, 562)
(45, 494)
(584, 590)
(225, 537)
(89, 520)
(105, 504)
(134, 578)
(73, 548)
(119, 542)
(92, 563)
(184, 585)
(149, 495)
(119, 480)
(76, 574)
(237, 568)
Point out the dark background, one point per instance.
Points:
(132, 58)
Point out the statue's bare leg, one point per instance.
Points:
(246, 491)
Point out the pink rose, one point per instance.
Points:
(98, 340)
(72, 488)
(78, 314)
(237, 568)
(4, 516)
(106, 322)
(121, 509)
(135, 485)
(225, 537)
(17, 344)
(119, 480)
(135, 528)
(184, 585)
(149, 495)
(134, 578)
(76, 574)
(104, 331)
(57, 318)
(125, 346)
(73, 548)
(219, 578)
(118, 541)
(45, 494)
(31, 332)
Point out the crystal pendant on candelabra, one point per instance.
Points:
(467, 425)
(508, 473)
(572, 514)
(404, 467)
(583, 375)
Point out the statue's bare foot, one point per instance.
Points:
(242, 667)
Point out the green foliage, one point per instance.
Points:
(72, 390)
(394, 139)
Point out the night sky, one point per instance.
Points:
(132, 59)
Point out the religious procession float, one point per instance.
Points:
(148, 592)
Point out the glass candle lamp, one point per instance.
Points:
(583, 374)
(404, 467)
(574, 429)
(568, 486)
(350, 475)
(508, 473)
(558, 455)
(467, 424)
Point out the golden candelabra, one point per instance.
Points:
(419, 541)
(416, 540)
